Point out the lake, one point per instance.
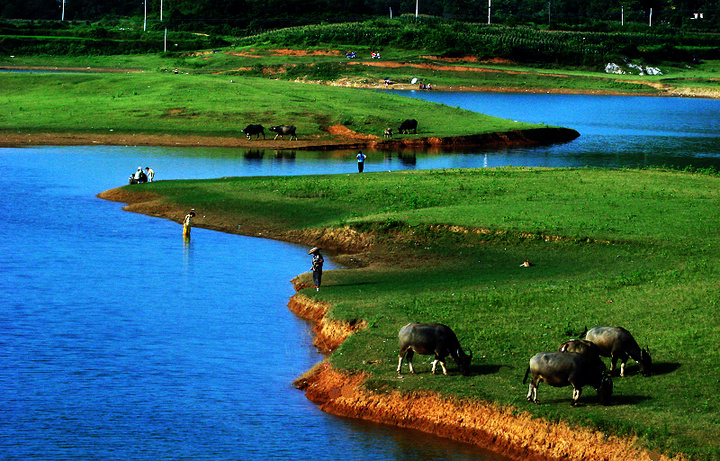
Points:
(118, 340)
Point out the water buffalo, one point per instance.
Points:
(581, 346)
(407, 125)
(429, 339)
(618, 343)
(256, 130)
(560, 369)
(282, 130)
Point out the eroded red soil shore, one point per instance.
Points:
(505, 430)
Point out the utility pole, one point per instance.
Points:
(417, 8)
(63, 11)
(622, 15)
(145, 20)
(489, 7)
(650, 17)
(549, 21)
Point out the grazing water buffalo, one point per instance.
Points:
(282, 130)
(429, 339)
(560, 369)
(618, 343)
(407, 125)
(581, 346)
(256, 130)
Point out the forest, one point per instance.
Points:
(242, 17)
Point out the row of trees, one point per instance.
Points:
(243, 16)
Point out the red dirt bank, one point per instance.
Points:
(342, 138)
(502, 430)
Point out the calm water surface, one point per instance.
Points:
(120, 341)
(615, 131)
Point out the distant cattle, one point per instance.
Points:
(283, 130)
(618, 344)
(431, 339)
(255, 130)
(407, 125)
(388, 133)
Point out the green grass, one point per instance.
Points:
(165, 103)
(609, 247)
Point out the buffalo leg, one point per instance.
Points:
(532, 392)
(408, 355)
(442, 364)
(576, 396)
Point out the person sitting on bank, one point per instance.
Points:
(139, 176)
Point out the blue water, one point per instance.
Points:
(118, 340)
(614, 131)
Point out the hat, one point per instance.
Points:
(313, 250)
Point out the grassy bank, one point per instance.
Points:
(631, 248)
(211, 105)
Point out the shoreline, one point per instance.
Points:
(504, 430)
(533, 136)
(508, 431)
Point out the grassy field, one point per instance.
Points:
(609, 247)
(212, 105)
(326, 63)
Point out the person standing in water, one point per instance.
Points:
(361, 161)
(317, 264)
(186, 223)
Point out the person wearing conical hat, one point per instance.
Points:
(317, 264)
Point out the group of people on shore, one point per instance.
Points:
(141, 176)
(353, 55)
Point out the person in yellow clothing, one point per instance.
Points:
(149, 173)
(186, 223)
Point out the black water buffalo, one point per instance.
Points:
(618, 343)
(560, 369)
(581, 346)
(407, 125)
(256, 130)
(429, 339)
(283, 130)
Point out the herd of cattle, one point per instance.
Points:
(289, 130)
(576, 363)
(280, 130)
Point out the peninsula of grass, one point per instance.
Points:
(216, 106)
(634, 248)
